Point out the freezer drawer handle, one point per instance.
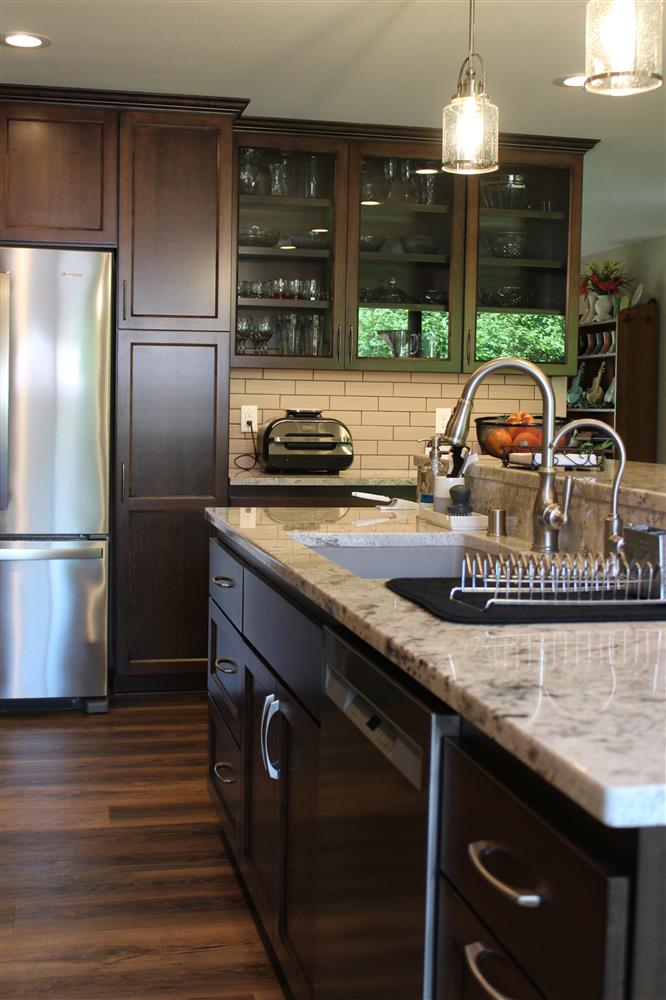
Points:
(476, 852)
(35, 555)
(472, 952)
(5, 279)
(231, 669)
(225, 582)
(221, 764)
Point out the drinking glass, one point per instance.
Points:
(280, 288)
(249, 170)
(295, 288)
(289, 334)
(311, 177)
(314, 341)
(255, 289)
(243, 332)
(390, 171)
(311, 289)
(427, 189)
(262, 333)
(278, 175)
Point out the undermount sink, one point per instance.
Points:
(384, 562)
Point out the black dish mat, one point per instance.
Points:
(432, 593)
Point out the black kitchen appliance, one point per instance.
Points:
(304, 441)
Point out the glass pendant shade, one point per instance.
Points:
(623, 46)
(470, 127)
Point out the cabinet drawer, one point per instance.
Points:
(224, 774)
(470, 963)
(568, 927)
(225, 582)
(225, 668)
(286, 638)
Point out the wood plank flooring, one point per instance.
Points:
(114, 884)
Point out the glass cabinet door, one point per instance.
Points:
(404, 302)
(290, 250)
(523, 262)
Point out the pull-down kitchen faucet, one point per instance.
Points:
(547, 516)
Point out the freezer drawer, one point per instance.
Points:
(53, 619)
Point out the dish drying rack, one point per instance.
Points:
(571, 581)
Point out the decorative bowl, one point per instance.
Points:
(506, 191)
(506, 295)
(496, 433)
(436, 296)
(368, 242)
(511, 243)
(421, 243)
(258, 236)
(312, 241)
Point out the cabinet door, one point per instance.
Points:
(175, 221)
(522, 262)
(298, 782)
(58, 169)
(171, 463)
(405, 260)
(470, 963)
(292, 214)
(258, 858)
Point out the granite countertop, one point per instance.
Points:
(584, 706)
(643, 484)
(347, 477)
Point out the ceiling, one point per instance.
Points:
(384, 61)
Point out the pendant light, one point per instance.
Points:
(470, 120)
(623, 46)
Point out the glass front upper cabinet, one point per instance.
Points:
(289, 243)
(523, 262)
(405, 260)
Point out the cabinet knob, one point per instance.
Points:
(517, 896)
(225, 582)
(220, 766)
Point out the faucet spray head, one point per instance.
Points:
(457, 428)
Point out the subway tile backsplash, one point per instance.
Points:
(386, 413)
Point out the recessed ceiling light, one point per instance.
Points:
(24, 40)
(573, 80)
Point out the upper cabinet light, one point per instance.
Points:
(24, 40)
(623, 46)
(470, 122)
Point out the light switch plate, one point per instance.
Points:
(442, 414)
(248, 415)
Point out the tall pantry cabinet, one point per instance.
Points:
(172, 385)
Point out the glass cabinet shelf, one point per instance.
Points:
(273, 252)
(409, 258)
(284, 303)
(405, 208)
(549, 265)
(282, 201)
(424, 307)
(522, 213)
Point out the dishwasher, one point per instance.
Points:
(378, 821)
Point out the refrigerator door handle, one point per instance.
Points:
(25, 555)
(5, 285)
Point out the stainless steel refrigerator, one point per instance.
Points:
(55, 358)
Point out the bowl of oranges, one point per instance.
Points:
(515, 431)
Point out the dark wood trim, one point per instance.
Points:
(141, 684)
(123, 100)
(402, 133)
(303, 496)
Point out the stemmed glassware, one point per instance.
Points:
(390, 171)
(261, 333)
(244, 326)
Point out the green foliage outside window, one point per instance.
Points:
(521, 335)
(434, 328)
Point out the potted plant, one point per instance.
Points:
(606, 281)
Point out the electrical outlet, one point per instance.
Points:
(248, 417)
(442, 414)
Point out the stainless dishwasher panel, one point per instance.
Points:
(379, 758)
(53, 619)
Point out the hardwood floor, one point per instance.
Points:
(114, 884)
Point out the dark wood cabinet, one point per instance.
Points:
(171, 462)
(175, 221)
(278, 742)
(58, 169)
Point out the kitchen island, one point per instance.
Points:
(578, 709)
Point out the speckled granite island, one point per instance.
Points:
(582, 705)
(551, 759)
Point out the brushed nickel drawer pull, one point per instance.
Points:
(472, 952)
(476, 852)
(231, 669)
(224, 581)
(222, 764)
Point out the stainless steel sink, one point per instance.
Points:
(384, 562)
